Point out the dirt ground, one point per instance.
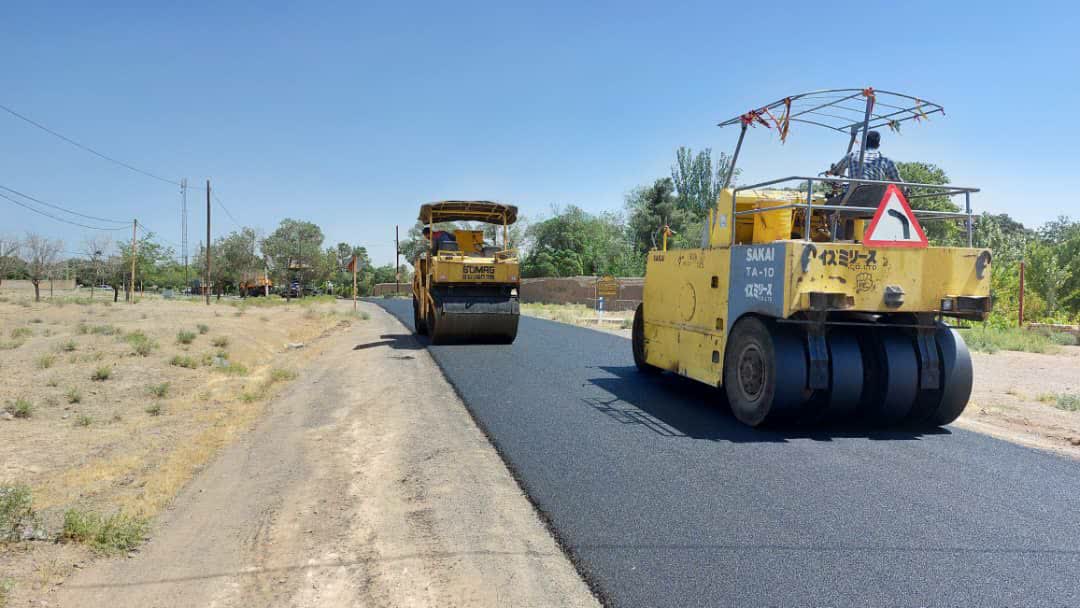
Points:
(1005, 400)
(112, 444)
(364, 483)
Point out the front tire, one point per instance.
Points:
(637, 341)
(418, 324)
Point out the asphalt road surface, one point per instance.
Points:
(663, 499)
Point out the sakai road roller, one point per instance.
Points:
(819, 298)
(464, 290)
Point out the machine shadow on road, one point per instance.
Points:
(394, 341)
(673, 406)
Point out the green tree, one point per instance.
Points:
(652, 207)
(294, 250)
(697, 181)
(573, 242)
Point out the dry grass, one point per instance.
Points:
(128, 443)
(107, 379)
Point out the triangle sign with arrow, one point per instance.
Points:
(894, 224)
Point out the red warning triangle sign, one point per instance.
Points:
(894, 224)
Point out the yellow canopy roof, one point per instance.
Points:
(468, 211)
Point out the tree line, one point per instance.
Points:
(294, 253)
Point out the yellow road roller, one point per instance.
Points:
(465, 290)
(819, 298)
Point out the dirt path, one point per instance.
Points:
(366, 484)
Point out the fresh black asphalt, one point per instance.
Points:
(663, 499)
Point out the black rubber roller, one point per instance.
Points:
(765, 372)
(942, 406)
(892, 376)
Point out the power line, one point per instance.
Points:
(58, 207)
(226, 210)
(87, 148)
(59, 219)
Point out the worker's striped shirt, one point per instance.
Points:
(875, 166)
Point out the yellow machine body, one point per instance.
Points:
(694, 298)
(465, 291)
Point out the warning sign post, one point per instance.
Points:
(894, 223)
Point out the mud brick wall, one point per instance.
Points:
(581, 290)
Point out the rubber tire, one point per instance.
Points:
(840, 402)
(637, 342)
(782, 355)
(893, 374)
(957, 376)
(418, 325)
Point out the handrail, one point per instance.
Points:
(940, 190)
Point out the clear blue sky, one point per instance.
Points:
(352, 114)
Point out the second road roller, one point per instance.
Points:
(465, 289)
(820, 298)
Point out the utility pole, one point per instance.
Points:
(397, 261)
(134, 252)
(1021, 312)
(183, 229)
(207, 288)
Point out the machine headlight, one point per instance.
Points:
(946, 304)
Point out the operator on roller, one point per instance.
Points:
(440, 236)
(876, 166)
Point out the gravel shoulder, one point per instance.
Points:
(366, 483)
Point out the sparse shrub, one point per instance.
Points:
(364, 315)
(154, 409)
(73, 395)
(115, 533)
(101, 374)
(141, 344)
(6, 587)
(159, 390)
(185, 337)
(203, 328)
(20, 408)
(21, 332)
(282, 375)
(16, 511)
(36, 320)
(83, 420)
(104, 330)
(13, 344)
(250, 397)
(52, 382)
(220, 342)
(1068, 402)
(989, 339)
(46, 361)
(82, 328)
(1063, 338)
(69, 346)
(232, 369)
(183, 361)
